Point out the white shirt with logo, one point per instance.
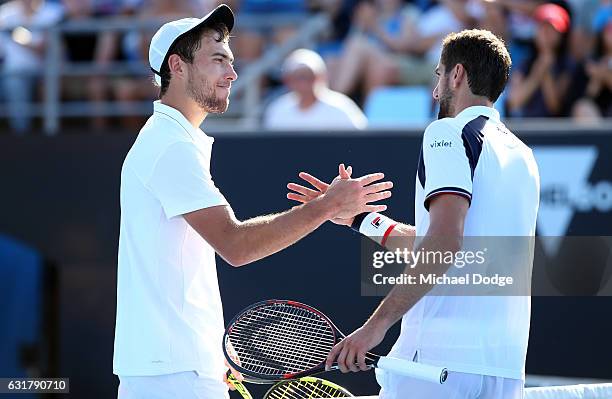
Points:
(169, 313)
(475, 156)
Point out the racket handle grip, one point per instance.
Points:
(238, 385)
(407, 368)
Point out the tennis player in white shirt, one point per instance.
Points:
(169, 323)
(474, 178)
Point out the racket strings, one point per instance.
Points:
(280, 338)
(300, 389)
(318, 342)
(261, 322)
(275, 343)
(278, 325)
(289, 349)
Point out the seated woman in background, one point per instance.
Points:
(394, 43)
(597, 100)
(380, 28)
(538, 87)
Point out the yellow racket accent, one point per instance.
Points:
(239, 386)
(306, 388)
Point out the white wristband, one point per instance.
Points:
(377, 227)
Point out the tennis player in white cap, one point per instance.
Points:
(173, 218)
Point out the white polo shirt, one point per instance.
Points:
(476, 156)
(169, 314)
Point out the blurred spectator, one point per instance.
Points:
(135, 46)
(339, 12)
(493, 16)
(23, 46)
(539, 86)
(310, 104)
(102, 49)
(249, 43)
(581, 36)
(597, 101)
(380, 30)
(393, 44)
(85, 47)
(520, 27)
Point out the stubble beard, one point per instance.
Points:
(447, 109)
(203, 93)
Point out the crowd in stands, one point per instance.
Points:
(561, 52)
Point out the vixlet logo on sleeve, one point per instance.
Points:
(441, 144)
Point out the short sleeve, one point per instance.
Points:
(181, 181)
(447, 168)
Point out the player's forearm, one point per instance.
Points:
(401, 237)
(262, 236)
(403, 297)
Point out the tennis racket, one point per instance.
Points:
(278, 340)
(304, 388)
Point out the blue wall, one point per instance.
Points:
(61, 196)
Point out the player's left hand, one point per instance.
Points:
(350, 353)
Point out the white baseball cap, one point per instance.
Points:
(304, 58)
(171, 31)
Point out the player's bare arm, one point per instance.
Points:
(242, 242)
(445, 233)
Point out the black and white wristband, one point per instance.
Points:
(374, 226)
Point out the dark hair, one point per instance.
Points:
(186, 45)
(485, 58)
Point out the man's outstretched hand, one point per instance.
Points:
(304, 194)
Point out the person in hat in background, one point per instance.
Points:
(538, 87)
(310, 104)
(169, 324)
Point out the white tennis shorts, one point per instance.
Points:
(457, 386)
(185, 385)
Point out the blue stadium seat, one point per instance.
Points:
(399, 106)
(21, 274)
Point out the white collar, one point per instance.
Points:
(480, 110)
(179, 118)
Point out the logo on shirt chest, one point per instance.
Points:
(441, 144)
